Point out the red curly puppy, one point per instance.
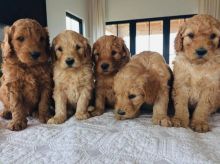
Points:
(26, 80)
(110, 55)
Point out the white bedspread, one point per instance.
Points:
(104, 140)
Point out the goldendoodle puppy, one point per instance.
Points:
(73, 75)
(143, 80)
(26, 80)
(197, 72)
(110, 55)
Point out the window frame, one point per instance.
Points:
(166, 31)
(71, 16)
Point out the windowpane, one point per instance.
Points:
(174, 27)
(142, 37)
(156, 36)
(123, 32)
(149, 36)
(111, 29)
(73, 23)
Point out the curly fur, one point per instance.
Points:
(26, 82)
(73, 84)
(109, 50)
(143, 80)
(196, 78)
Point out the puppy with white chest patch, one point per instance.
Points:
(73, 75)
(197, 72)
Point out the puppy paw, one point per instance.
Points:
(199, 126)
(162, 120)
(44, 119)
(118, 117)
(6, 114)
(17, 125)
(96, 112)
(178, 122)
(82, 116)
(56, 120)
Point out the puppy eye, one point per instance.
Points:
(59, 49)
(213, 36)
(131, 96)
(191, 35)
(113, 53)
(77, 47)
(20, 38)
(42, 39)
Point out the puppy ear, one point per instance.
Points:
(126, 50)
(88, 51)
(6, 44)
(47, 40)
(93, 51)
(53, 52)
(219, 32)
(178, 43)
(126, 55)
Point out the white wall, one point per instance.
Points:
(136, 9)
(56, 13)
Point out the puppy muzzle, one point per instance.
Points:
(201, 52)
(35, 55)
(70, 62)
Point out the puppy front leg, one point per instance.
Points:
(160, 109)
(202, 112)
(60, 108)
(180, 97)
(44, 105)
(99, 104)
(17, 108)
(82, 105)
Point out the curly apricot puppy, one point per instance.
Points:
(26, 80)
(73, 75)
(110, 54)
(143, 80)
(197, 72)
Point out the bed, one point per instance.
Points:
(105, 140)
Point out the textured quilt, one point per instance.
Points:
(104, 140)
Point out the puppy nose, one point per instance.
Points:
(35, 54)
(120, 112)
(69, 61)
(201, 51)
(105, 66)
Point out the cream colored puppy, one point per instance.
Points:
(143, 80)
(73, 76)
(197, 72)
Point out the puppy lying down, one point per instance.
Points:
(73, 76)
(143, 80)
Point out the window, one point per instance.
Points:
(73, 23)
(121, 30)
(149, 36)
(153, 34)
